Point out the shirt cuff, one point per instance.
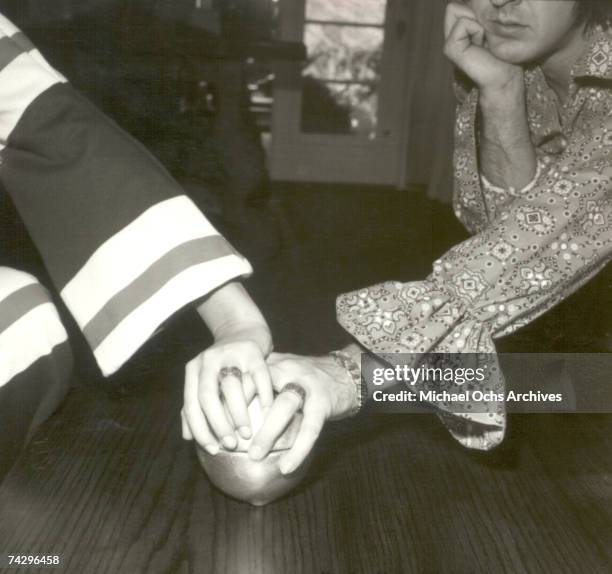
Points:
(166, 258)
(396, 321)
(349, 359)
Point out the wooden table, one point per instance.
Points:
(109, 484)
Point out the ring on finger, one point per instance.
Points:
(297, 390)
(230, 372)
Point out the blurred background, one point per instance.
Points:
(316, 135)
(233, 94)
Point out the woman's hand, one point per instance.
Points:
(215, 406)
(330, 395)
(465, 47)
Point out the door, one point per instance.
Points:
(339, 116)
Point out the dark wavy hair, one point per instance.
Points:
(594, 13)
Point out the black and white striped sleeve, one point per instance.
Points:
(124, 246)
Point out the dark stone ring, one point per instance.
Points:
(297, 390)
(230, 372)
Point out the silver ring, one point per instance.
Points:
(297, 390)
(230, 372)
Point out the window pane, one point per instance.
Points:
(363, 11)
(343, 52)
(339, 108)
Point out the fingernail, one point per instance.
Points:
(256, 452)
(287, 467)
(212, 448)
(229, 442)
(245, 432)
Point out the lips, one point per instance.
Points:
(507, 23)
(505, 27)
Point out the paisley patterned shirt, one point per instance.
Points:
(530, 248)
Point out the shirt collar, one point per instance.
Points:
(596, 62)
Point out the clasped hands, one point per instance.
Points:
(221, 382)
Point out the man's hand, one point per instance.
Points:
(330, 395)
(506, 154)
(465, 47)
(215, 409)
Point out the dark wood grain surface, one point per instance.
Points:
(110, 485)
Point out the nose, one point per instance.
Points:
(502, 3)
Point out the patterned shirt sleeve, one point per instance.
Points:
(529, 253)
(122, 243)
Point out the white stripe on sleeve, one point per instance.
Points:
(21, 82)
(12, 280)
(130, 252)
(142, 322)
(32, 336)
(7, 28)
(38, 57)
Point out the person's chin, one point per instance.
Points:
(510, 51)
